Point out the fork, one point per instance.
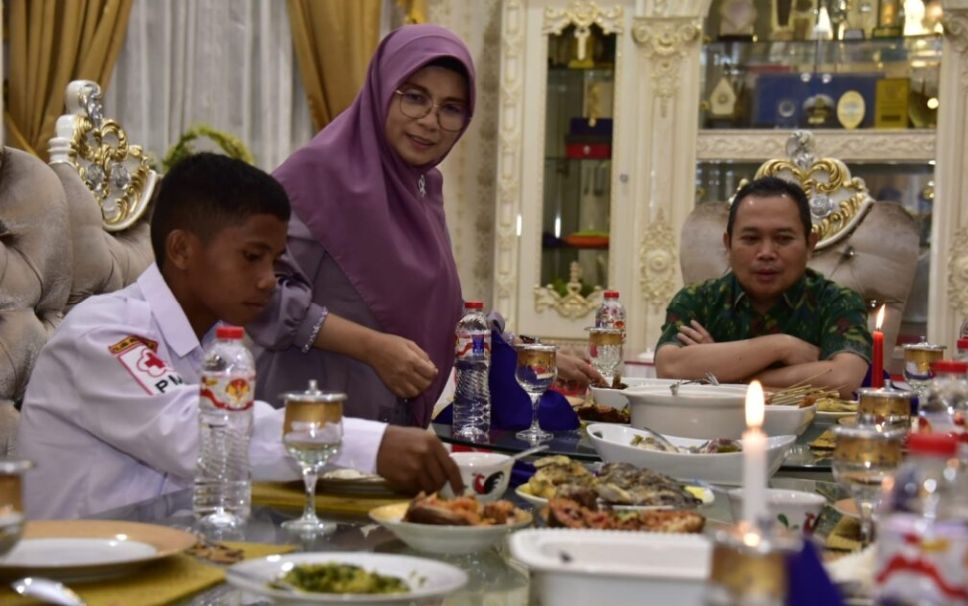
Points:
(708, 379)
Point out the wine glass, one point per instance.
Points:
(535, 372)
(312, 432)
(864, 456)
(11, 504)
(917, 365)
(605, 351)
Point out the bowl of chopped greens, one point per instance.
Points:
(357, 578)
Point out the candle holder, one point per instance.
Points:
(917, 364)
(749, 565)
(885, 406)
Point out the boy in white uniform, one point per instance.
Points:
(110, 413)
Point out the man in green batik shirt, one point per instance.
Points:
(769, 318)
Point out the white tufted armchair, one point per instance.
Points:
(69, 230)
(871, 247)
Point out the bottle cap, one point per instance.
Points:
(957, 366)
(611, 294)
(962, 344)
(938, 444)
(473, 304)
(228, 331)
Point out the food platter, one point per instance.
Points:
(703, 493)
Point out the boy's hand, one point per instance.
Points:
(403, 367)
(411, 459)
(693, 334)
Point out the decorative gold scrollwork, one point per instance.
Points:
(118, 174)
(572, 304)
(838, 201)
(582, 13)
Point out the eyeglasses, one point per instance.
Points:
(451, 116)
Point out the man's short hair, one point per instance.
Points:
(772, 186)
(207, 192)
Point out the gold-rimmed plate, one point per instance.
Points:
(82, 550)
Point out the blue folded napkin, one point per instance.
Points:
(807, 580)
(510, 404)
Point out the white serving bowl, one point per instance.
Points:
(613, 443)
(698, 411)
(485, 474)
(606, 396)
(791, 508)
(785, 420)
(441, 539)
(614, 568)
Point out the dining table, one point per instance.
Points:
(493, 576)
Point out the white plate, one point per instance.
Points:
(787, 420)
(615, 398)
(435, 538)
(613, 443)
(351, 481)
(705, 498)
(427, 578)
(90, 549)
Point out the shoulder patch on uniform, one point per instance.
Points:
(146, 367)
(129, 342)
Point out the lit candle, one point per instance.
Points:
(877, 362)
(754, 457)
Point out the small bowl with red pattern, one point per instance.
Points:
(485, 474)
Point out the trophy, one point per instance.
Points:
(737, 18)
(889, 24)
(861, 19)
(781, 25)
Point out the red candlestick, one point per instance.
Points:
(877, 365)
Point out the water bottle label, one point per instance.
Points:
(233, 392)
(473, 345)
(927, 559)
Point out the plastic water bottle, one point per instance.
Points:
(611, 313)
(223, 486)
(922, 540)
(472, 400)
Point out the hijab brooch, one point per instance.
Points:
(422, 186)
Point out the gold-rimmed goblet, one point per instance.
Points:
(864, 456)
(312, 433)
(11, 501)
(917, 365)
(605, 350)
(885, 406)
(535, 372)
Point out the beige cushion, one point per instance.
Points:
(878, 260)
(35, 264)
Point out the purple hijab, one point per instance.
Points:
(361, 201)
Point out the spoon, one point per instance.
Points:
(529, 451)
(709, 378)
(47, 590)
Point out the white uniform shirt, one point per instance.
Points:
(110, 416)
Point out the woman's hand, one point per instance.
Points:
(579, 371)
(403, 367)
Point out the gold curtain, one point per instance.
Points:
(334, 41)
(51, 43)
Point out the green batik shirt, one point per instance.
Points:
(814, 309)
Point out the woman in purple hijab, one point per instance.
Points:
(369, 294)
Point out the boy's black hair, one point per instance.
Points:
(207, 192)
(772, 186)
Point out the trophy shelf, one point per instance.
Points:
(908, 145)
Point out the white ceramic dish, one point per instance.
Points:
(613, 443)
(434, 538)
(793, 509)
(427, 578)
(705, 495)
(485, 474)
(83, 550)
(606, 396)
(614, 568)
(787, 420)
(698, 411)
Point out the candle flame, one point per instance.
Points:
(880, 318)
(754, 405)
